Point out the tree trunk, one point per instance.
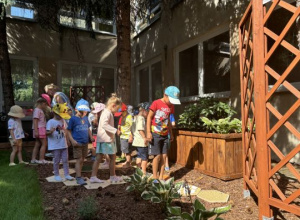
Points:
(7, 86)
(123, 50)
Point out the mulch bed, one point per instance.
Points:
(114, 202)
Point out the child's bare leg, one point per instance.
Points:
(35, 149)
(78, 166)
(155, 164)
(112, 164)
(144, 166)
(138, 162)
(13, 153)
(162, 166)
(43, 148)
(107, 158)
(93, 151)
(167, 161)
(20, 153)
(96, 164)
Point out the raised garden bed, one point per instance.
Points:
(217, 155)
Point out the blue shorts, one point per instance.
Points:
(106, 148)
(158, 145)
(142, 152)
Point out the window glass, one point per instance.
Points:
(73, 75)
(103, 77)
(157, 90)
(188, 72)
(216, 64)
(22, 78)
(21, 12)
(144, 84)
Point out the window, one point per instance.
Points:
(203, 67)
(73, 75)
(23, 11)
(22, 72)
(104, 77)
(150, 74)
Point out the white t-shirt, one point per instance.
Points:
(57, 140)
(139, 125)
(15, 124)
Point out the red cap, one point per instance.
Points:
(118, 114)
(123, 108)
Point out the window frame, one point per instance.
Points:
(137, 75)
(28, 6)
(199, 41)
(35, 92)
(89, 70)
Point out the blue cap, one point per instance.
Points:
(173, 93)
(82, 105)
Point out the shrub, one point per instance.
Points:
(138, 182)
(87, 208)
(209, 115)
(199, 212)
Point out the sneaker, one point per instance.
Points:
(80, 181)
(94, 179)
(68, 177)
(93, 158)
(167, 169)
(43, 162)
(34, 161)
(12, 164)
(23, 162)
(115, 179)
(49, 155)
(156, 181)
(58, 178)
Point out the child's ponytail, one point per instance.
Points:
(114, 99)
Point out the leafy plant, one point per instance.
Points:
(162, 192)
(209, 115)
(199, 212)
(138, 182)
(87, 208)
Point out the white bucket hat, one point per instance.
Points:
(16, 111)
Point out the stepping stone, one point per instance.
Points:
(96, 185)
(73, 182)
(101, 167)
(51, 179)
(213, 196)
(61, 171)
(122, 182)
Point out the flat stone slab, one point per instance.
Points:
(51, 179)
(213, 196)
(96, 185)
(73, 182)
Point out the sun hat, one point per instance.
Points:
(47, 97)
(145, 105)
(98, 108)
(173, 93)
(82, 105)
(61, 110)
(129, 109)
(93, 104)
(16, 111)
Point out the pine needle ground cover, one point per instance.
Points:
(20, 191)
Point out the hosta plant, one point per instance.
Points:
(162, 192)
(138, 182)
(199, 212)
(223, 125)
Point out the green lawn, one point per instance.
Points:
(20, 194)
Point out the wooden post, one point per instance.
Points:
(260, 110)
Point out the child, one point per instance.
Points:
(16, 133)
(167, 166)
(106, 139)
(91, 118)
(39, 131)
(140, 140)
(79, 133)
(124, 130)
(57, 141)
(158, 127)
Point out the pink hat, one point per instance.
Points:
(98, 108)
(47, 97)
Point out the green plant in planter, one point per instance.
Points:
(209, 115)
(162, 192)
(138, 182)
(199, 212)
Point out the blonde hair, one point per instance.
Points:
(114, 99)
(40, 101)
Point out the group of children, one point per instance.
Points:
(149, 132)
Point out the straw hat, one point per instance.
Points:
(16, 111)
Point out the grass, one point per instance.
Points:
(20, 194)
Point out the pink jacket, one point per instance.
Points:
(106, 129)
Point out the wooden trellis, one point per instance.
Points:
(260, 175)
(89, 93)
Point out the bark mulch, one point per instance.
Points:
(113, 202)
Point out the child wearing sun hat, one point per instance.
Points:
(57, 141)
(16, 133)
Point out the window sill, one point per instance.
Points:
(212, 95)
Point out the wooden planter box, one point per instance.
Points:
(217, 155)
